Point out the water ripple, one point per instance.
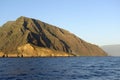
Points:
(72, 68)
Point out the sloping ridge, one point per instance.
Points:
(27, 30)
(112, 50)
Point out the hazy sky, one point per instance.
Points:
(95, 21)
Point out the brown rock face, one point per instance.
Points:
(26, 30)
(28, 50)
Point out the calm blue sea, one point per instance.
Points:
(69, 68)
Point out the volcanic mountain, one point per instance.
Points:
(31, 37)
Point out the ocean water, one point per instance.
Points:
(69, 68)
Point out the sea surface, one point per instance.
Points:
(62, 68)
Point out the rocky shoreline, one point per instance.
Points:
(28, 50)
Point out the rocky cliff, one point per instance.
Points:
(23, 31)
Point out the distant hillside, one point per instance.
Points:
(113, 50)
(14, 34)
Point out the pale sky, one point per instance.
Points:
(95, 21)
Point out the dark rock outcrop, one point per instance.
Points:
(27, 30)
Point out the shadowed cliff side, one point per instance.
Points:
(27, 30)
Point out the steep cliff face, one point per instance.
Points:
(26, 30)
